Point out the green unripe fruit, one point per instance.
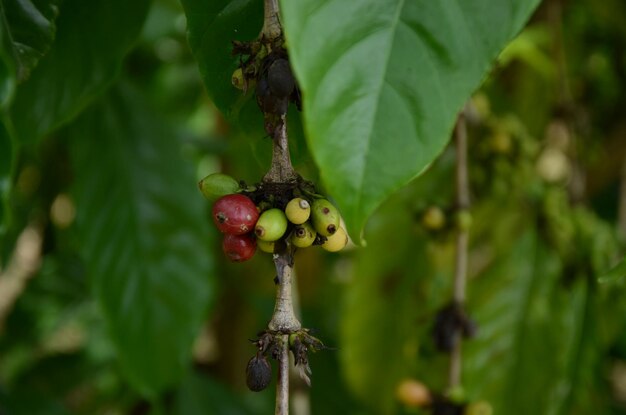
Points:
(271, 225)
(303, 235)
(337, 241)
(463, 220)
(265, 246)
(298, 211)
(325, 217)
(478, 408)
(238, 80)
(217, 185)
(433, 218)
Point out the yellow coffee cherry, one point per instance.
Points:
(303, 235)
(433, 218)
(413, 393)
(337, 241)
(325, 217)
(265, 246)
(298, 210)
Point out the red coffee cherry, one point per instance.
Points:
(239, 248)
(235, 214)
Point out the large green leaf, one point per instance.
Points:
(91, 40)
(383, 81)
(531, 329)
(30, 29)
(144, 236)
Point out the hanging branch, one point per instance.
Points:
(460, 274)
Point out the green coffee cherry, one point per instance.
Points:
(265, 246)
(433, 218)
(303, 235)
(325, 217)
(337, 241)
(271, 225)
(238, 80)
(463, 219)
(217, 185)
(298, 210)
(478, 408)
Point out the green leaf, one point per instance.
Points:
(530, 331)
(618, 272)
(212, 25)
(6, 171)
(30, 29)
(92, 39)
(383, 81)
(144, 235)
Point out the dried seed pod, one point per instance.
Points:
(258, 373)
(280, 78)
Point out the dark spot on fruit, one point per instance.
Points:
(325, 211)
(331, 229)
(221, 217)
(300, 232)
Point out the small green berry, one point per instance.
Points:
(271, 225)
(217, 185)
(238, 80)
(265, 246)
(463, 219)
(433, 218)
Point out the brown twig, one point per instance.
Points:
(460, 274)
(271, 21)
(24, 263)
(281, 170)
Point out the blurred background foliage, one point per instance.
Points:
(108, 183)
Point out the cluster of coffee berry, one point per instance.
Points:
(258, 218)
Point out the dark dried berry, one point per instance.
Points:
(258, 373)
(451, 322)
(442, 406)
(267, 101)
(280, 79)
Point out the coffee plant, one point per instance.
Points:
(312, 206)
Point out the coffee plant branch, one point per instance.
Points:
(460, 273)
